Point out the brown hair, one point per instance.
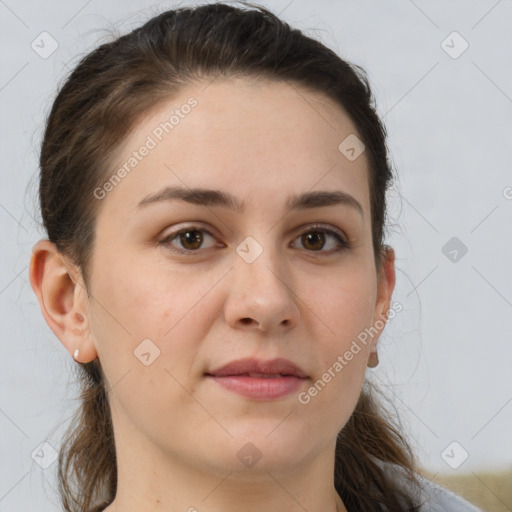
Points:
(100, 102)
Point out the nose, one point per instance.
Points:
(261, 291)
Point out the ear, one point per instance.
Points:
(63, 299)
(385, 286)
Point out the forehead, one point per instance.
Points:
(255, 138)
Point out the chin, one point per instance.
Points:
(253, 452)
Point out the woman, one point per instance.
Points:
(213, 188)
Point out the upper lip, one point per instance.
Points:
(252, 365)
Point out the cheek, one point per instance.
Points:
(135, 300)
(334, 391)
(344, 314)
(132, 308)
(345, 308)
(150, 303)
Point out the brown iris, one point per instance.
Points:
(314, 237)
(193, 237)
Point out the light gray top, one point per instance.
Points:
(434, 497)
(439, 499)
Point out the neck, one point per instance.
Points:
(154, 479)
(159, 487)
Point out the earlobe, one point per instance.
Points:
(62, 298)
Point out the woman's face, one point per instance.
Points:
(260, 281)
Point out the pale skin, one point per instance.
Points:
(177, 433)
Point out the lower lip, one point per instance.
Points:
(260, 388)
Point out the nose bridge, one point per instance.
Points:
(260, 258)
(263, 291)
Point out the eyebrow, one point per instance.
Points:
(209, 197)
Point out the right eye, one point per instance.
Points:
(191, 239)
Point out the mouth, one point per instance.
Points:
(258, 379)
(260, 375)
(253, 367)
(264, 387)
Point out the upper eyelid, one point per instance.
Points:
(303, 227)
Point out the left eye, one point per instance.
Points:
(191, 239)
(315, 237)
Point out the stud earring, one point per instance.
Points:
(75, 355)
(373, 360)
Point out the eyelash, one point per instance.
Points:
(311, 229)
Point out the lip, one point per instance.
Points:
(254, 365)
(259, 379)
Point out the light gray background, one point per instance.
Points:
(447, 356)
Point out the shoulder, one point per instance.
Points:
(439, 499)
(433, 497)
